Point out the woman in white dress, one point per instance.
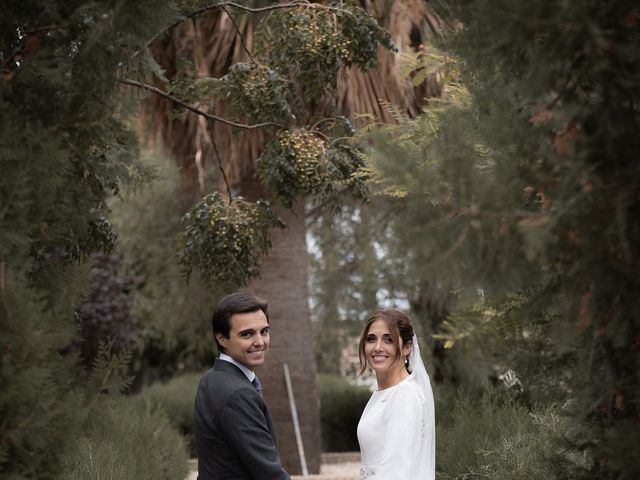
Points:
(397, 429)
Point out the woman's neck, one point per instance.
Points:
(391, 377)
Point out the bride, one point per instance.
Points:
(397, 429)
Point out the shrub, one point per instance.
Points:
(40, 406)
(341, 405)
(106, 313)
(125, 442)
(176, 398)
(487, 436)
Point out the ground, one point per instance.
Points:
(335, 466)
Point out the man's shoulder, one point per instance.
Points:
(223, 376)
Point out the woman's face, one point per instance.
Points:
(380, 350)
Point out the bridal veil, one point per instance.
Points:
(419, 372)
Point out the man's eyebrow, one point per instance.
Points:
(246, 330)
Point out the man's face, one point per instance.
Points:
(248, 340)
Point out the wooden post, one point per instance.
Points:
(294, 418)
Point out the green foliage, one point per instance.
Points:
(109, 372)
(526, 170)
(123, 441)
(176, 398)
(37, 428)
(493, 437)
(225, 239)
(427, 62)
(310, 43)
(256, 91)
(299, 163)
(341, 406)
(448, 179)
(346, 274)
(293, 164)
(539, 356)
(174, 315)
(360, 36)
(65, 148)
(300, 49)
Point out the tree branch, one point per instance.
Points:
(277, 6)
(220, 167)
(186, 106)
(242, 41)
(221, 5)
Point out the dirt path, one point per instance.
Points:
(335, 466)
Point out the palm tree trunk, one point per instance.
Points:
(284, 286)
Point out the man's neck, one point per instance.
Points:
(247, 371)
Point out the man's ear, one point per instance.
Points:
(222, 340)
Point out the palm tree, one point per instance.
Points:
(213, 41)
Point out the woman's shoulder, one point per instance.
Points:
(402, 401)
(407, 392)
(409, 386)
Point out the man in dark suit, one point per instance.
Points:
(235, 437)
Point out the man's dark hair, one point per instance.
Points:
(238, 302)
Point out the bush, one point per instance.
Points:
(40, 407)
(125, 442)
(487, 436)
(106, 313)
(341, 405)
(176, 398)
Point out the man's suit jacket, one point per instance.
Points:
(235, 437)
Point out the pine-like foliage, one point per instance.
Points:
(124, 441)
(40, 403)
(493, 436)
(65, 147)
(526, 174)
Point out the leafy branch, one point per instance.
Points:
(225, 241)
(278, 6)
(208, 116)
(110, 372)
(222, 5)
(220, 167)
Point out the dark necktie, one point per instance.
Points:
(257, 385)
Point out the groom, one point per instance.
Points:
(235, 437)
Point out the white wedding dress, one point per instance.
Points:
(397, 429)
